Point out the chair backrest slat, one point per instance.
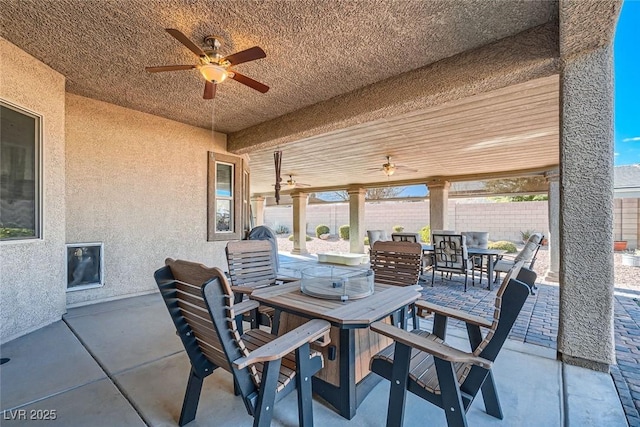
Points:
(396, 263)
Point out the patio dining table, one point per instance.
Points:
(345, 380)
(491, 255)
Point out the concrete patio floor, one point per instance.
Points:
(120, 363)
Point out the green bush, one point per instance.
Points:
(366, 240)
(398, 229)
(322, 229)
(504, 245)
(343, 232)
(8, 232)
(425, 234)
(291, 238)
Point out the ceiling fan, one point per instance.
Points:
(389, 168)
(214, 67)
(292, 183)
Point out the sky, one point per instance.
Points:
(627, 85)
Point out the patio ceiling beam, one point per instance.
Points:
(528, 55)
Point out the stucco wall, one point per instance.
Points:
(138, 183)
(32, 288)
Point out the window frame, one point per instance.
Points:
(237, 190)
(38, 169)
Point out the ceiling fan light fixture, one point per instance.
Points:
(213, 73)
(389, 169)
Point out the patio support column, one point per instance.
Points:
(299, 223)
(356, 220)
(257, 210)
(585, 335)
(439, 204)
(554, 229)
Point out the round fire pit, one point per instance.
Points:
(336, 283)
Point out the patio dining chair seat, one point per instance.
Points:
(265, 367)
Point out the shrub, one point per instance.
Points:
(7, 232)
(366, 240)
(322, 229)
(504, 245)
(398, 229)
(308, 238)
(281, 229)
(343, 232)
(425, 234)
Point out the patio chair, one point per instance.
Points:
(265, 367)
(423, 363)
(375, 235)
(477, 239)
(528, 254)
(450, 256)
(398, 264)
(252, 266)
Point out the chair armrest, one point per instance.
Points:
(286, 279)
(285, 344)
(245, 306)
(439, 350)
(422, 305)
(246, 290)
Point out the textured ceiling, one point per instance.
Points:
(316, 50)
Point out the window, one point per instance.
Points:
(19, 173)
(226, 191)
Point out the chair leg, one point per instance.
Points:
(267, 394)
(465, 282)
(191, 398)
(433, 276)
(490, 397)
(303, 385)
(398, 390)
(451, 399)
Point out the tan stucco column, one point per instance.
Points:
(356, 220)
(553, 204)
(438, 204)
(585, 335)
(299, 223)
(257, 210)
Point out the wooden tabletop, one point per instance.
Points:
(350, 314)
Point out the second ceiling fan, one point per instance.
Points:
(214, 67)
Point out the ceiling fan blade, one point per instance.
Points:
(209, 90)
(247, 55)
(169, 68)
(250, 82)
(185, 41)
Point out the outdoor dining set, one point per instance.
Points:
(336, 333)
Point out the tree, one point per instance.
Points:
(520, 186)
(379, 193)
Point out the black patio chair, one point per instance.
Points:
(422, 363)
(265, 367)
